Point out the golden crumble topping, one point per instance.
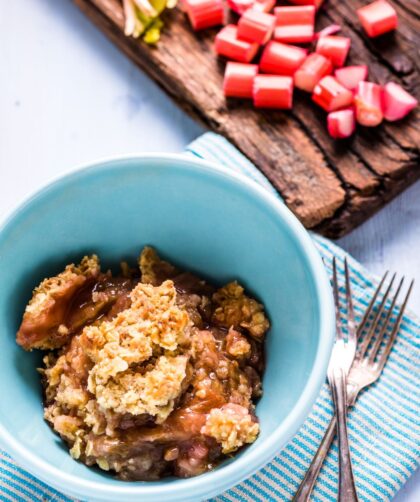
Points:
(154, 372)
(236, 344)
(153, 323)
(153, 393)
(232, 426)
(236, 309)
(152, 320)
(152, 268)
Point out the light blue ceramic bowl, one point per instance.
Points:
(205, 219)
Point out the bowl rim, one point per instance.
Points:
(243, 467)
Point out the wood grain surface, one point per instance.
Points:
(331, 186)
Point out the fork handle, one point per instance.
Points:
(346, 489)
(308, 483)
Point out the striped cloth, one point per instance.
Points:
(384, 427)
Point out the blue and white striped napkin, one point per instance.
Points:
(384, 426)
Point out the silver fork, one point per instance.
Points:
(342, 357)
(365, 370)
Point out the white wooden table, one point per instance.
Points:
(67, 96)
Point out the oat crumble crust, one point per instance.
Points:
(159, 376)
(151, 267)
(234, 308)
(151, 325)
(231, 426)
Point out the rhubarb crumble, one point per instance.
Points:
(149, 373)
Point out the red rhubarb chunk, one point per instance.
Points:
(263, 5)
(240, 6)
(281, 59)
(332, 29)
(273, 91)
(396, 102)
(286, 16)
(239, 79)
(227, 44)
(377, 18)
(294, 25)
(341, 124)
(368, 103)
(256, 26)
(335, 48)
(204, 13)
(316, 3)
(294, 34)
(350, 76)
(331, 95)
(312, 70)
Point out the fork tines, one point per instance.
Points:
(379, 322)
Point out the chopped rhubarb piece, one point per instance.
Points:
(239, 79)
(396, 102)
(331, 95)
(377, 18)
(204, 13)
(341, 124)
(335, 48)
(255, 26)
(316, 3)
(240, 6)
(332, 29)
(228, 45)
(304, 14)
(350, 76)
(368, 103)
(281, 59)
(294, 24)
(311, 71)
(273, 91)
(263, 5)
(294, 34)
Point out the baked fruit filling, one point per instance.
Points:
(150, 373)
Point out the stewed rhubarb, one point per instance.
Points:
(150, 373)
(239, 79)
(368, 103)
(273, 91)
(331, 95)
(312, 70)
(378, 18)
(396, 102)
(228, 45)
(281, 59)
(335, 48)
(255, 26)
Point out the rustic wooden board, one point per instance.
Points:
(332, 187)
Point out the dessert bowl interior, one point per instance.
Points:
(203, 219)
